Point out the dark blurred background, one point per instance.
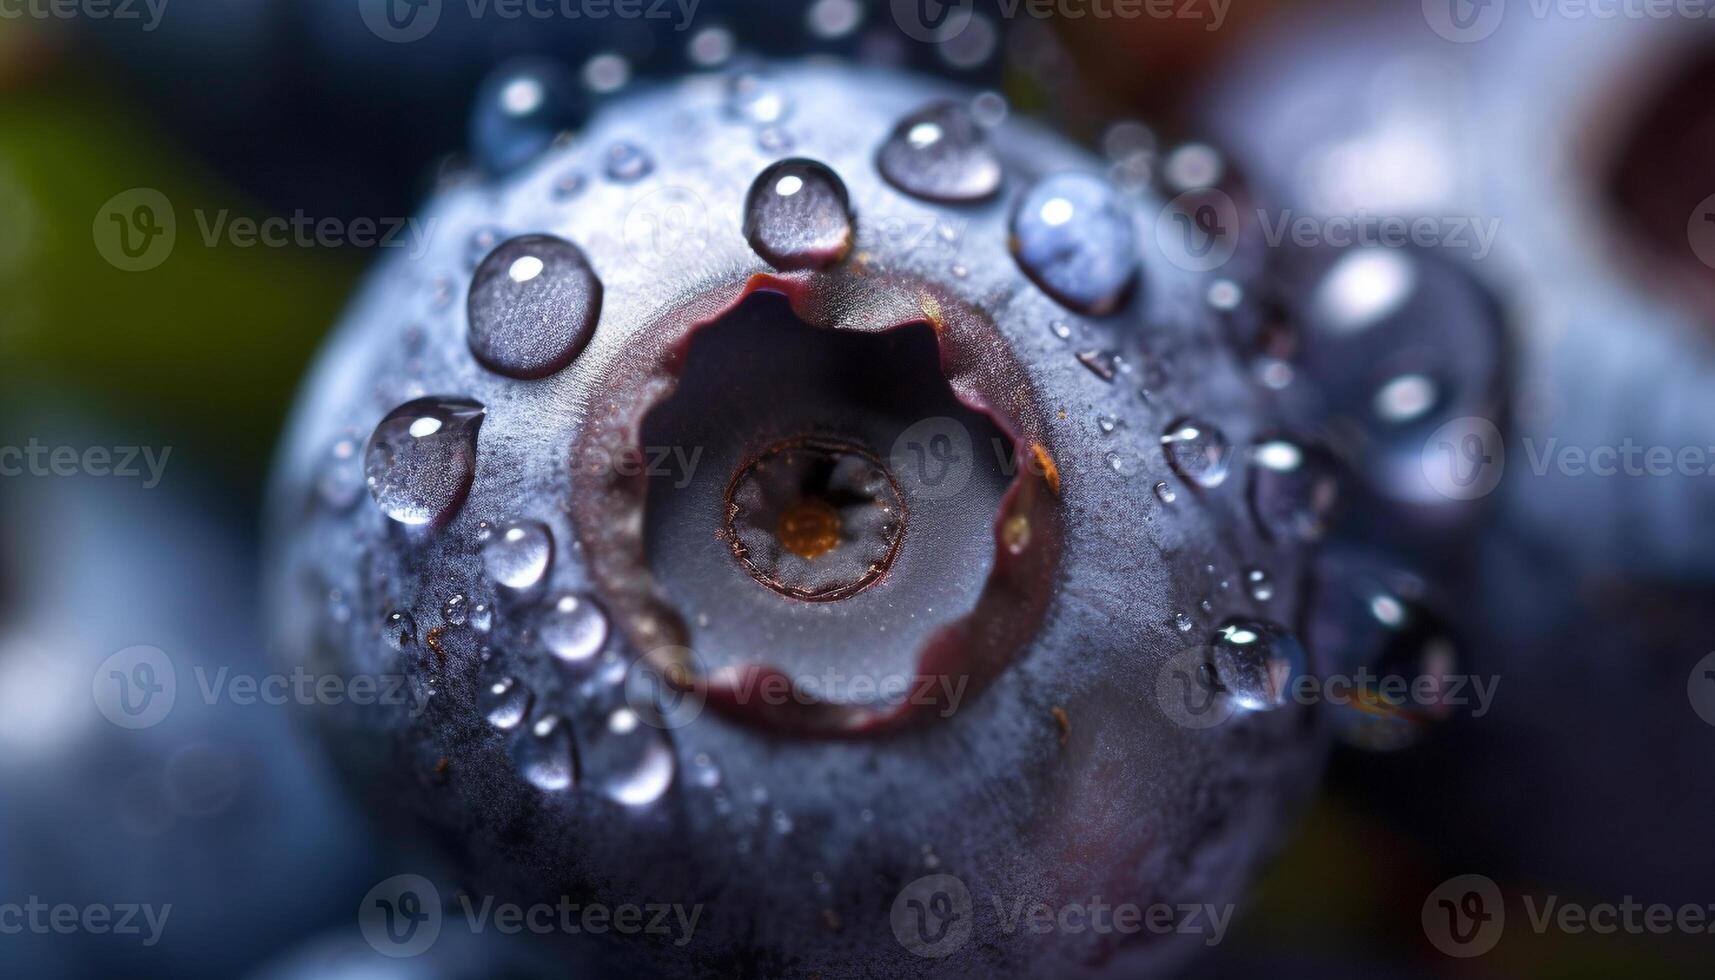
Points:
(1592, 606)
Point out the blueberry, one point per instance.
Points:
(822, 565)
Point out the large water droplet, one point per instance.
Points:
(544, 754)
(422, 457)
(940, 153)
(573, 627)
(503, 701)
(517, 554)
(533, 306)
(798, 216)
(1294, 490)
(1073, 236)
(1257, 663)
(1197, 451)
(519, 110)
(629, 761)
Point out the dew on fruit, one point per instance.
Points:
(798, 216)
(1260, 586)
(629, 761)
(456, 610)
(940, 153)
(1225, 295)
(1165, 493)
(544, 754)
(1107, 424)
(773, 139)
(1197, 451)
(516, 555)
(340, 481)
(1103, 364)
(568, 185)
(1060, 329)
(711, 47)
(399, 629)
(1293, 491)
(533, 305)
(421, 460)
(519, 111)
(705, 772)
(1183, 622)
(481, 617)
(626, 162)
(606, 73)
(833, 19)
(1256, 663)
(573, 627)
(990, 109)
(755, 98)
(1072, 235)
(1406, 399)
(503, 701)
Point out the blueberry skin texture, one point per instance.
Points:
(1062, 781)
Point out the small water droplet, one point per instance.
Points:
(481, 617)
(940, 153)
(517, 554)
(1072, 235)
(533, 306)
(1225, 295)
(630, 761)
(606, 73)
(422, 457)
(504, 701)
(711, 47)
(798, 215)
(707, 774)
(1294, 490)
(340, 482)
(456, 610)
(1406, 398)
(1260, 585)
(990, 109)
(1106, 424)
(1060, 329)
(755, 98)
(1165, 493)
(1183, 622)
(1197, 451)
(1103, 364)
(519, 110)
(399, 629)
(627, 162)
(544, 754)
(773, 139)
(1256, 663)
(569, 185)
(782, 822)
(833, 19)
(573, 627)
